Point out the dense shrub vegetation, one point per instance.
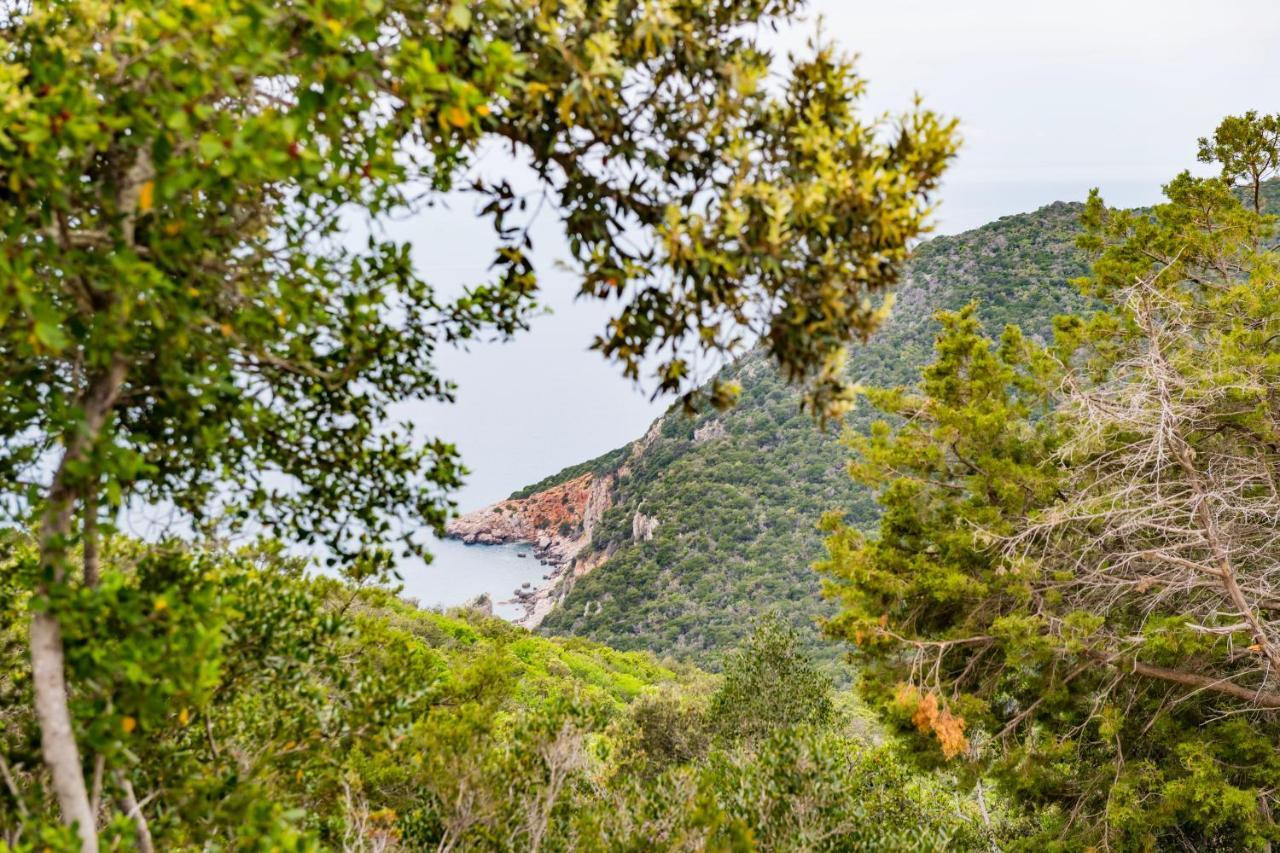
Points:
(261, 709)
(1056, 564)
(1072, 583)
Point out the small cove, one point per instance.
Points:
(459, 573)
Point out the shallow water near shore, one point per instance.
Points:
(461, 572)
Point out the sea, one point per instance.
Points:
(460, 573)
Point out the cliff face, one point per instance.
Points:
(557, 521)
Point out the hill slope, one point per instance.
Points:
(711, 521)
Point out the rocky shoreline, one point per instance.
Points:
(557, 522)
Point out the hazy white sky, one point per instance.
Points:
(1062, 95)
(1053, 98)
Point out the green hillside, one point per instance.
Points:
(737, 512)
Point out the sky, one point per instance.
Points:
(1053, 98)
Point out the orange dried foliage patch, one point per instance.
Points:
(930, 715)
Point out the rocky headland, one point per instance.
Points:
(558, 522)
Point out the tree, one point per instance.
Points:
(1077, 556)
(1248, 149)
(770, 685)
(960, 464)
(185, 324)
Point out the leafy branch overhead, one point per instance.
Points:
(177, 180)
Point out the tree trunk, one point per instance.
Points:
(57, 737)
(90, 536)
(1264, 806)
(57, 740)
(133, 809)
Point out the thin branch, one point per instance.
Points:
(1258, 698)
(133, 810)
(12, 785)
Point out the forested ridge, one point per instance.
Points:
(738, 513)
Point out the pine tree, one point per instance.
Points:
(1078, 554)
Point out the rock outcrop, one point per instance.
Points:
(483, 603)
(711, 429)
(558, 522)
(642, 526)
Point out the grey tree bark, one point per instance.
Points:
(48, 660)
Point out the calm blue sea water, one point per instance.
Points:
(461, 572)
